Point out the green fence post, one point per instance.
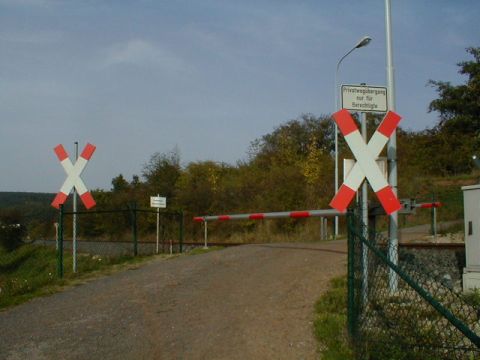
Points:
(432, 217)
(133, 214)
(60, 244)
(351, 274)
(181, 224)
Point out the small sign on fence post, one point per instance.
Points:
(159, 202)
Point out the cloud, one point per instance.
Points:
(139, 52)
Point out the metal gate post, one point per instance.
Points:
(133, 213)
(351, 273)
(60, 244)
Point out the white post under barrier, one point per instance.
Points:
(322, 228)
(326, 227)
(205, 246)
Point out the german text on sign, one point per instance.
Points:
(364, 98)
(73, 176)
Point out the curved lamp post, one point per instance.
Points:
(364, 41)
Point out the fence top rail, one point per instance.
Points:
(271, 215)
(127, 210)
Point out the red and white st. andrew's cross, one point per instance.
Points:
(73, 176)
(366, 166)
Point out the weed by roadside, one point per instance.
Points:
(330, 323)
(30, 271)
(198, 251)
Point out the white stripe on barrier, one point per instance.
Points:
(271, 215)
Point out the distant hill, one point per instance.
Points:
(24, 199)
(34, 207)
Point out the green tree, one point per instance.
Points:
(119, 184)
(12, 228)
(457, 135)
(162, 172)
(459, 105)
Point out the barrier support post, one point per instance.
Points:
(322, 230)
(181, 225)
(205, 246)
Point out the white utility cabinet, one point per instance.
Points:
(471, 211)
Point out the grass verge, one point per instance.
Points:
(30, 271)
(330, 323)
(198, 251)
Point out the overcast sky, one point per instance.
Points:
(210, 76)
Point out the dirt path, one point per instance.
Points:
(247, 302)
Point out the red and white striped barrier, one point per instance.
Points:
(366, 166)
(429, 205)
(73, 176)
(270, 215)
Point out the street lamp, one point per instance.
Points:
(364, 41)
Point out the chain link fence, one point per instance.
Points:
(402, 310)
(118, 233)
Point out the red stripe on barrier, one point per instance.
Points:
(256, 216)
(343, 198)
(59, 200)
(224, 217)
(299, 214)
(430, 205)
(87, 200)
(388, 200)
(389, 124)
(60, 152)
(88, 151)
(345, 122)
(198, 219)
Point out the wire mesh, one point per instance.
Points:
(123, 232)
(406, 310)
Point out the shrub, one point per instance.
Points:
(12, 230)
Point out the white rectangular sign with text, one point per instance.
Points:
(364, 98)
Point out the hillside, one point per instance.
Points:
(24, 199)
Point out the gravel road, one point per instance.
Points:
(245, 302)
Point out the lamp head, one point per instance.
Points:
(476, 161)
(363, 42)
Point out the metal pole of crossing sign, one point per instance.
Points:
(158, 225)
(391, 149)
(363, 118)
(74, 226)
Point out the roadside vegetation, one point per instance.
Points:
(30, 271)
(330, 324)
